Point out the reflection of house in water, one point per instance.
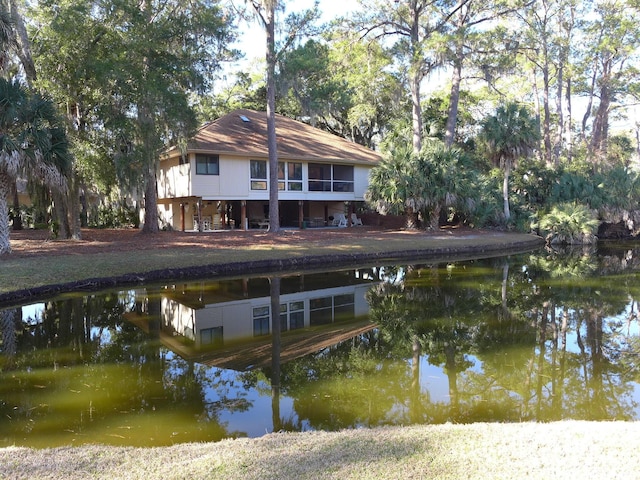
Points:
(228, 323)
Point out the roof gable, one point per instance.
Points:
(244, 132)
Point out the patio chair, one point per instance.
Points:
(339, 220)
(355, 220)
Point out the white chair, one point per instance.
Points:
(355, 220)
(339, 220)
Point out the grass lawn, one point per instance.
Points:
(562, 450)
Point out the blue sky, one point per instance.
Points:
(252, 38)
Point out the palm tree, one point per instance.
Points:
(390, 191)
(32, 145)
(444, 180)
(512, 133)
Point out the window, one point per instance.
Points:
(319, 177)
(290, 175)
(325, 310)
(207, 165)
(284, 317)
(296, 315)
(330, 178)
(342, 178)
(294, 176)
(281, 175)
(291, 316)
(211, 336)
(260, 321)
(258, 175)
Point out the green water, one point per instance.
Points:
(536, 337)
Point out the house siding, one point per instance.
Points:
(233, 183)
(174, 179)
(236, 317)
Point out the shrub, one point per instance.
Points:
(569, 224)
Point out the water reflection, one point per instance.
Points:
(536, 337)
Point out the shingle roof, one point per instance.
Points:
(244, 132)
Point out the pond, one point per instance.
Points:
(534, 337)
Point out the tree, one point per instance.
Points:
(512, 133)
(466, 39)
(416, 25)
(343, 86)
(296, 25)
(612, 39)
(133, 75)
(266, 11)
(32, 144)
(425, 184)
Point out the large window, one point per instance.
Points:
(342, 178)
(325, 310)
(290, 176)
(258, 175)
(324, 177)
(292, 315)
(261, 321)
(212, 336)
(207, 165)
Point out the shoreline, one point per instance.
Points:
(467, 247)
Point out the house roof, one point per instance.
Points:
(244, 132)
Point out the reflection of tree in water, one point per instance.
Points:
(546, 335)
(9, 318)
(566, 304)
(120, 376)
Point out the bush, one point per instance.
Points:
(569, 224)
(115, 216)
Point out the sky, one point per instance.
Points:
(252, 38)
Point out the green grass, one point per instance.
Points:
(478, 451)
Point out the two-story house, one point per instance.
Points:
(222, 180)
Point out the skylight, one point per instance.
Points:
(244, 118)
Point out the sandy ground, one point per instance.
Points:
(28, 243)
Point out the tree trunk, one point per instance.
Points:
(411, 222)
(60, 225)
(416, 112)
(415, 407)
(569, 126)
(17, 217)
(5, 186)
(598, 145)
(73, 203)
(505, 190)
(547, 113)
(151, 203)
(8, 336)
(276, 345)
(147, 132)
(24, 50)
(454, 99)
(274, 210)
(452, 376)
(434, 219)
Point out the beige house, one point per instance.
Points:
(229, 324)
(222, 181)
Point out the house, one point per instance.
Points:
(222, 180)
(228, 323)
